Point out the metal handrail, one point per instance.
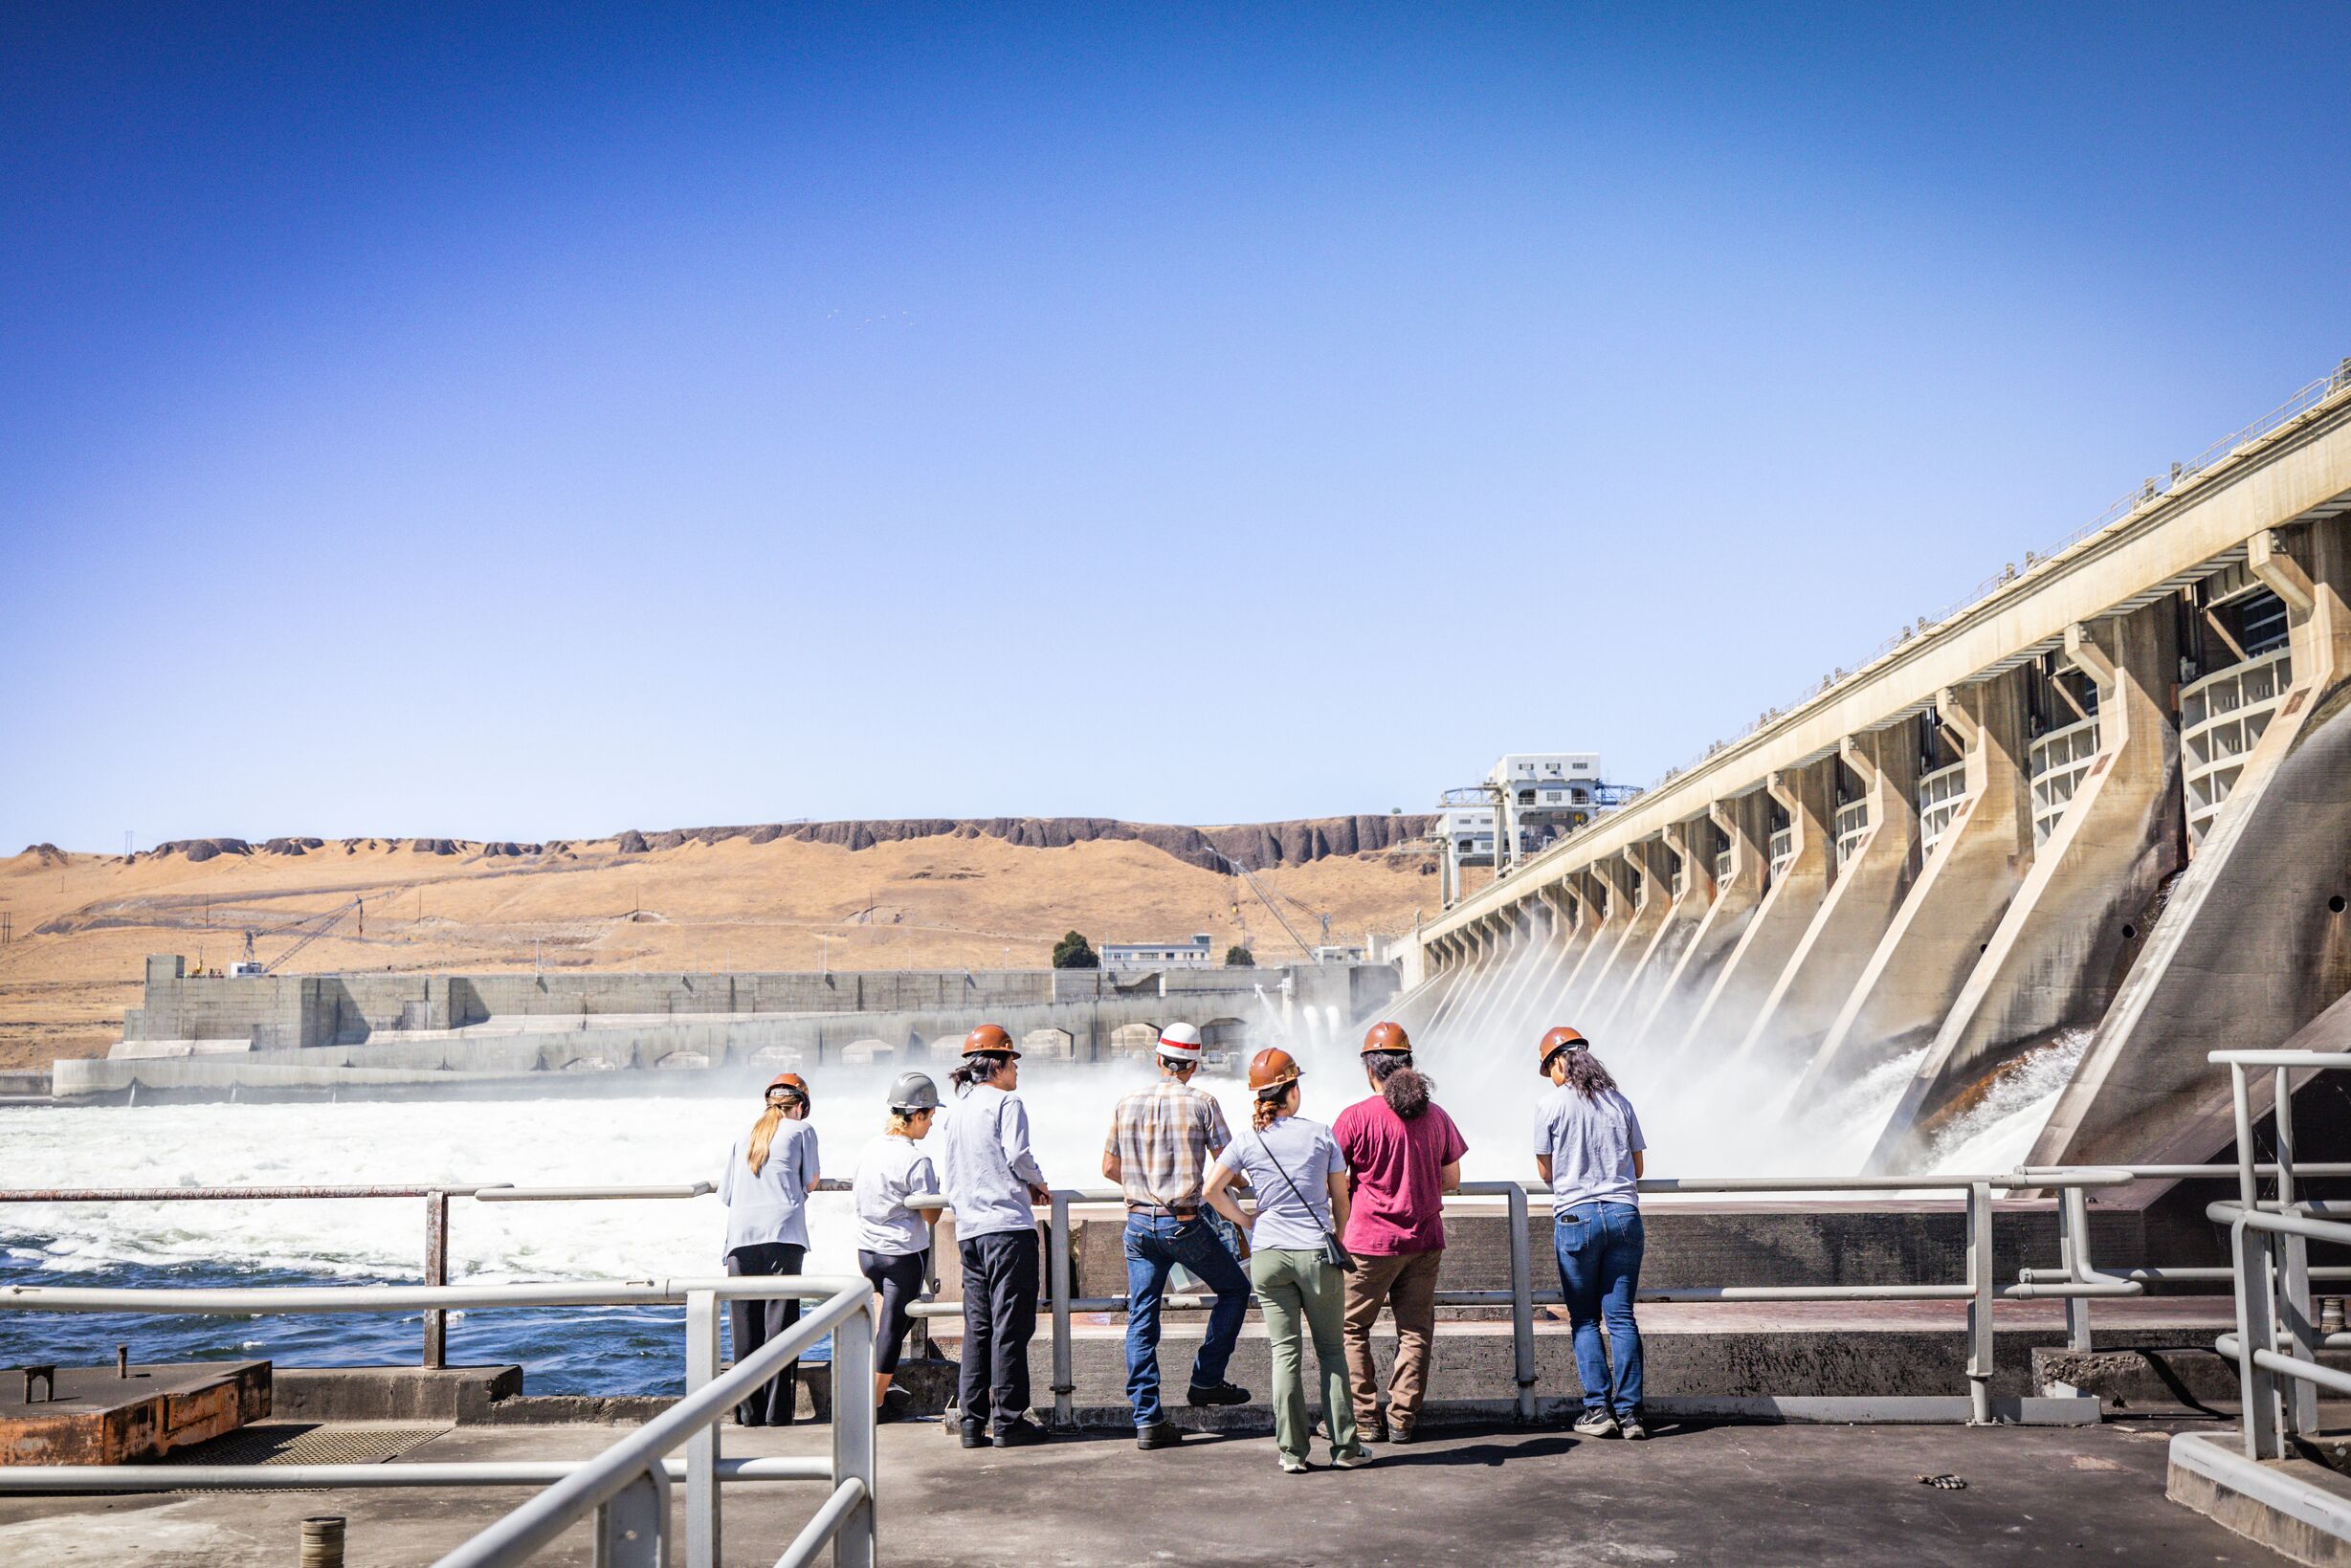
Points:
(2270, 1263)
(436, 1196)
(627, 1486)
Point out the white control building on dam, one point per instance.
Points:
(2110, 794)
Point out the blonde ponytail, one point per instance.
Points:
(762, 1136)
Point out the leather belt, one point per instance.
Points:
(1159, 1211)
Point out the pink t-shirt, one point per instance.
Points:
(1394, 1188)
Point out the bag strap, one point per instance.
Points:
(1275, 1162)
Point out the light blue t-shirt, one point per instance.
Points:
(985, 1168)
(1306, 1151)
(1590, 1144)
(769, 1205)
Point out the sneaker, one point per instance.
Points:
(1162, 1434)
(1373, 1430)
(1628, 1427)
(1596, 1423)
(1215, 1394)
(1401, 1432)
(1349, 1459)
(1292, 1464)
(975, 1433)
(1019, 1433)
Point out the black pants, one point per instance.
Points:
(756, 1322)
(1000, 1283)
(899, 1277)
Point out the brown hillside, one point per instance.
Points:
(927, 894)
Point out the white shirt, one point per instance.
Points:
(984, 1167)
(892, 1166)
(769, 1205)
(1304, 1149)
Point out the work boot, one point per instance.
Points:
(1215, 1394)
(1628, 1427)
(1371, 1429)
(1595, 1424)
(1160, 1434)
(1020, 1434)
(975, 1432)
(1401, 1432)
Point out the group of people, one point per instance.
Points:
(1346, 1219)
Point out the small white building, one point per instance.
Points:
(1196, 954)
(1547, 781)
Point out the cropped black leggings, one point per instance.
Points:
(899, 1277)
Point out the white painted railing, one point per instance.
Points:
(2060, 760)
(2221, 717)
(1940, 795)
(1852, 826)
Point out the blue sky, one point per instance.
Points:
(542, 423)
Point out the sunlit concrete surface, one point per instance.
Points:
(1758, 1496)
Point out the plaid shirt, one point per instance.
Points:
(1163, 1136)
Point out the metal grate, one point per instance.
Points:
(309, 1442)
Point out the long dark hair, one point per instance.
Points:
(1586, 1075)
(979, 1067)
(1406, 1090)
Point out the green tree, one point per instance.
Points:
(1074, 952)
(1237, 956)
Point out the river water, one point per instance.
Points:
(1698, 1123)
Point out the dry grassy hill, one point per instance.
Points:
(855, 895)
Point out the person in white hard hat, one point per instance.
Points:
(1161, 1141)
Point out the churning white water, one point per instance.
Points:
(1701, 1120)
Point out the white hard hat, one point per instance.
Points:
(1179, 1043)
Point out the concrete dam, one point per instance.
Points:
(2085, 827)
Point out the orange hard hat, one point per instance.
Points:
(793, 1081)
(989, 1038)
(1386, 1037)
(1271, 1067)
(1557, 1040)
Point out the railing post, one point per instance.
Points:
(702, 1527)
(629, 1529)
(1064, 1415)
(2300, 1396)
(1980, 1343)
(2074, 1255)
(1521, 1303)
(436, 1272)
(852, 1434)
(2256, 1327)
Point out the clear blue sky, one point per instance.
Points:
(568, 420)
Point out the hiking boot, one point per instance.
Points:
(1160, 1434)
(1292, 1464)
(1401, 1432)
(1019, 1433)
(1595, 1424)
(975, 1433)
(1628, 1427)
(1215, 1394)
(1373, 1429)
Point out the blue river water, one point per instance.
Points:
(569, 1350)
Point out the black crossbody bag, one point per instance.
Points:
(1334, 1250)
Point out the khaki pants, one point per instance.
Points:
(1406, 1282)
(1301, 1298)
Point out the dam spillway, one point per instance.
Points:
(2098, 817)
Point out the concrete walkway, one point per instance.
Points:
(1754, 1495)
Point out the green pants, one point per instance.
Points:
(1299, 1294)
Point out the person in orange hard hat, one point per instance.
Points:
(1296, 1261)
(990, 1179)
(769, 1173)
(1588, 1147)
(1403, 1153)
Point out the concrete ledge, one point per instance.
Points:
(2291, 1506)
(2138, 1376)
(394, 1393)
(1762, 1410)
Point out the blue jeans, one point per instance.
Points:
(1155, 1244)
(1598, 1246)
